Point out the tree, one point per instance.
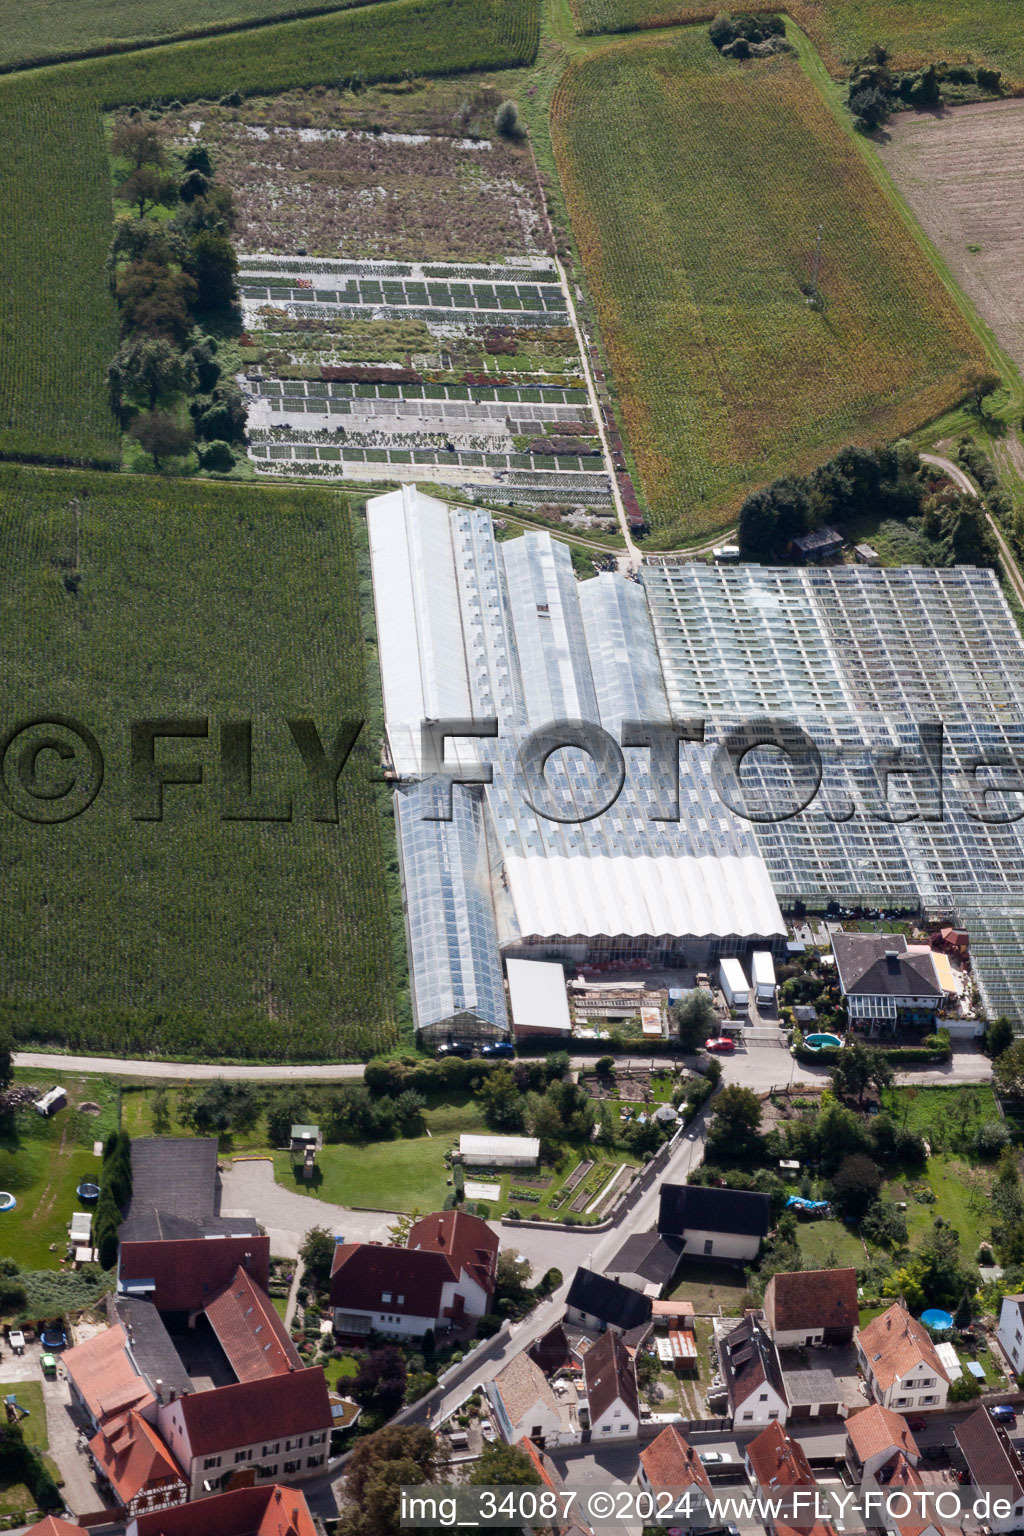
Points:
(501, 1101)
(6, 1057)
(556, 1064)
(734, 1129)
(224, 1105)
(149, 368)
(855, 1185)
(857, 1068)
(147, 188)
(979, 384)
(503, 1464)
(192, 185)
(380, 1381)
(155, 300)
(507, 121)
(990, 1138)
(964, 1314)
(223, 416)
(317, 1255)
(1008, 1071)
(286, 1108)
(511, 1279)
(998, 1037)
(159, 435)
(212, 262)
(695, 1019)
(197, 158)
(409, 1107)
(138, 141)
(395, 1442)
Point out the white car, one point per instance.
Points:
(487, 1429)
(713, 1458)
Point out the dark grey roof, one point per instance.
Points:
(607, 1300)
(866, 964)
(176, 1192)
(748, 1358)
(814, 1386)
(804, 1013)
(700, 1208)
(650, 1255)
(817, 540)
(152, 1347)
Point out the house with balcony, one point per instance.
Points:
(901, 1366)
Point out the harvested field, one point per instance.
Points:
(727, 377)
(963, 175)
(915, 31)
(315, 170)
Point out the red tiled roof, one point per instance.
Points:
(413, 1279)
(273, 1511)
(275, 1408)
(779, 1461)
(51, 1525)
(466, 1240)
(811, 1298)
(133, 1457)
(189, 1271)
(250, 1332)
(819, 1528)
(670, 1461)
(905, 1476)
(993, 1460)
(104, 1375)
(546, 1471)
(609, 1374)
(878, 1429)
(895, 1343)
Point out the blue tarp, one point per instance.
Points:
(807, 1205)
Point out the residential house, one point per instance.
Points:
(900, 1363)
(715, 1223)
(817, 1306)
(994, 1462)
(53, 1525)
(647, 1261)
(525, 1405)
(885, 980)
(270, 1511)
(269, 1428)
(906, 1479)
(553, 1352)
(250, 1331)
(776, 1463)
(596, 1301)
(670, 1461)
(874, 1438)
(610, 1383)
(753, 1375)
(444, 1277)
(130, 1457)
(103, 1377)
(180, 1275)
(572, 1523)
(1011, 1330)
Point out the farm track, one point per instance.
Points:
(964, 483)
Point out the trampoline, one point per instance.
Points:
(7, 1200)
(53, 1340)
(88, 1191)
(937, 1319)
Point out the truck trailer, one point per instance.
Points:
(733, 983)
(762, 974)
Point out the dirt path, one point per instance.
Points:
(965, 484)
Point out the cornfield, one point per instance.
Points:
(57, 316)
(915, 31)
(194, 935)
(697, 221)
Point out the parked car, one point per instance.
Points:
(917, 1423)
(456, 1048)
(1004, 1413)
(499, 1048)
(722, 1043)
(713, 1458)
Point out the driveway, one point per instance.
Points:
(249, 1189)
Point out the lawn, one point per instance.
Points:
(340, 1373)
(829, 1245)
(915, 31)
(712, 1288)
(961, 1199)
(406, 1175)
(194, 935)
(43, 1161)
(726, 376)
(939, 1114)
(58, 328)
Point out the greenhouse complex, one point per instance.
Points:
(860, 665)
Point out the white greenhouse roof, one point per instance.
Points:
(499, 1147)
(536, 989)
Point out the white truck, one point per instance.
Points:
(762, 973)
(733, 984)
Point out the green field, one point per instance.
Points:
(43, 30)
(915, 31)
(726, 376)
(58, 325)
(194, 935)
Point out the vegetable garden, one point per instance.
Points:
(193, 935)
(726, 374)
(57, 316)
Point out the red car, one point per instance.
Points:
(723, 1043)
(917, 1423)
